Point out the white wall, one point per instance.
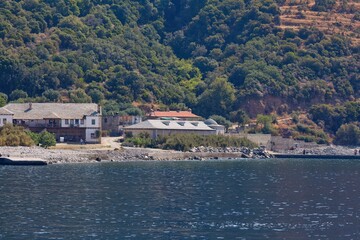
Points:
(88, 121)
(9, 119)
(89, 138)
(72, 121)
(136, 119)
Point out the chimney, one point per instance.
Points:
(30, 106)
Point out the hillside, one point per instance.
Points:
(342, 18)
(214, 56)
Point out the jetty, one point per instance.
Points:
(22, 161)
(315, 156)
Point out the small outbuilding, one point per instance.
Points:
(220, 129)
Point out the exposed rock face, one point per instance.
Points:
(266, 105)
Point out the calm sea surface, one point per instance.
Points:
(239, 199)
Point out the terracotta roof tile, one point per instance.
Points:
(176, 114)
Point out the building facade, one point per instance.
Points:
(70, 122)
(114, 124)
(158, 127)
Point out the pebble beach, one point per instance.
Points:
(111, 151)
(53, 156)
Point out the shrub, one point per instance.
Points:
(14, 136)
(2, 101)
(142, 140)
(311, 135)
(305, 138)
(348, 135)
(184, 142)
(17, 93)
(47, 139)
(34, 136)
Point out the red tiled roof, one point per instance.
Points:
(176, 114)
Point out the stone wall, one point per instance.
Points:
(280, 144)
(260, 139)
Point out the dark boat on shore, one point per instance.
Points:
(22, 161)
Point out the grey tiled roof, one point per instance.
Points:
(51, 110)
(171, 125)
(4, 111)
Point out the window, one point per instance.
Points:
(92, 121)
(77, 121)
(181, 123)
(4, 121)
(82, 121)
(167, 123)
(71, 121)
(93, 135)
(67, 121)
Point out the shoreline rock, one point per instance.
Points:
(56, 156)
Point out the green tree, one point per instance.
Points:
(94, 75)
(79, 96)
(348, 135)
(266, 123)
(47, 139)
(218, 99)
(324, 5)
(240, 117)
(96, 95)
(34, 136)
(134, 111)
(222, 121)
(352, 111)
(332, 116)
(17, 94)
(14, 136)
(51, 95)
(2, 101)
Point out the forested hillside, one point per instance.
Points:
(214, 56)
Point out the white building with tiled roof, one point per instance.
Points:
(167, 127)
(68, 121)
(6, 116)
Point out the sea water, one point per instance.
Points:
(237, 199)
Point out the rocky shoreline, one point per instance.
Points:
(79, 155)
(52, 156)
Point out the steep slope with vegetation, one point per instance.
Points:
(86, 51)
(214, 56)
(331, 16)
